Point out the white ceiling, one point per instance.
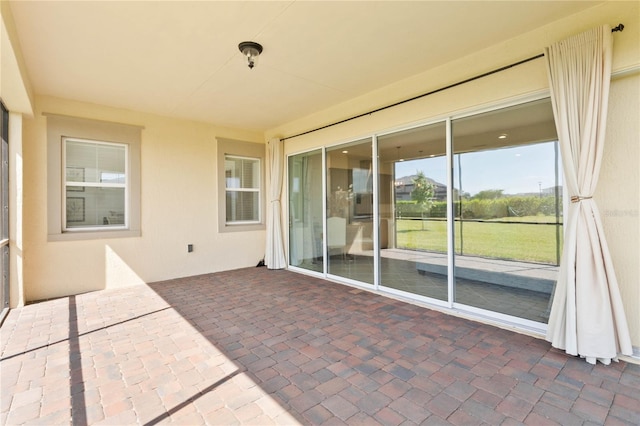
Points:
(181, 59)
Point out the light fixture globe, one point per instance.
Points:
(251, 50)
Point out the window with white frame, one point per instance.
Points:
(95, 185)
(242, 189)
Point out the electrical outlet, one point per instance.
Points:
(189, 248)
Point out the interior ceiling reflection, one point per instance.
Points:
(521, 124)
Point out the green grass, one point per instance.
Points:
(536, 219)
(517, 241)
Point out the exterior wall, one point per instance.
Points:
(618, 192)
(16, 224)
(179, 206)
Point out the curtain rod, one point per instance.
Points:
(620, 27)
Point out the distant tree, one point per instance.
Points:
(489, 194)
(422, 193)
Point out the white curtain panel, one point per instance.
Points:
(274, 256)
(587, 316)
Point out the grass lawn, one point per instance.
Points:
(513, 241)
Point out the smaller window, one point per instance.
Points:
(95, 185)
(242, 187)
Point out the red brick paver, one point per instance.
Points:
(255, 346)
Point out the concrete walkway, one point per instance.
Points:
(261, 347)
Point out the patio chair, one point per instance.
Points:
(337, 234)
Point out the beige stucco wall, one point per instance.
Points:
(16, 94)
(179, 206)
(618, 193)
(619, 190)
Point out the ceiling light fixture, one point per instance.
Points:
(251, 51)
(502, 136)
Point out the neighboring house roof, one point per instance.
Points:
(404, 186)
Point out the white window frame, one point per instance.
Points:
(66, 184)
(253, 190)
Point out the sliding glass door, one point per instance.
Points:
(465, 213)
(350, 211)
(4, 213)
(508, 218)
(413, 211)
(305, 211)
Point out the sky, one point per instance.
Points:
(520, 169)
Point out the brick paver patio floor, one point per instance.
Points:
(255, 346)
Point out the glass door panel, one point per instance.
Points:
(350, 211)
(4, 212)
(413, 211)
(507, 207)
(305, 211)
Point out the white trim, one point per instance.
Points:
(286, 211)
(451, 279)
(405, 295)
(501, 104)
(375, 220)
(412, 125)
(349, 281)
(243, 222)
(242, 190)
(96, 184)
(623, 72)
(304, 151)
(349, 141)
(504, 319)
(304, 271)
(325, 249)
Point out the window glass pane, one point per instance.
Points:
(305, 211)
(413, 211)
(4, 128)
(242, 173)
(4, 277)
(95, 162)
(4, 198)
(350, 211)
(507, 210)
(95, 207)
(243, 206)
(4, 205)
